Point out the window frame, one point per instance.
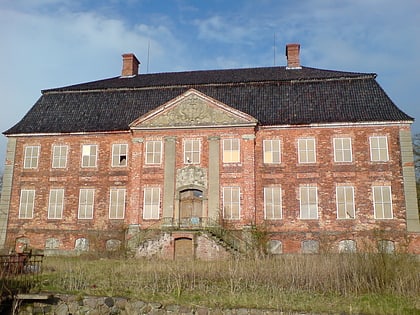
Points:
(307, 208)
(31, 160)
(193, 152)
(117, 207)
(379, 202)
(228, 151)
(60, 157)
(348, 213)
(304, 151)
(86, 205)
(376, 148)
(153, 153)
(340, 148)
(229, 206)
(118, 156)
(151, 203)
(274, 204)
(270, 154)
(90, 156)
(28, 205)
(53, 214)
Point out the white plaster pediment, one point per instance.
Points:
(193, 109)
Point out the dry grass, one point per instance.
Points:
(353, 283)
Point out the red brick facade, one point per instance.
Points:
(251, 175)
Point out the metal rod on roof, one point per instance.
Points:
(148, 56)
(274, 49)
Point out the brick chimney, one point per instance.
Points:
(130, 66)
(292, 55)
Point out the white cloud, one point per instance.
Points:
(50, 43)
(42, 50)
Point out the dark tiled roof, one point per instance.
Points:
(274, 96)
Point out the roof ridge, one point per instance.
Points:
(212, 77)
(160, 87)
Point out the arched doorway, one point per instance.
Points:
(184, 248)
(191, 206)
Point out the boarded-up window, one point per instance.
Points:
(59, 156)
(308, 202)
(55, 204)
(231, 202)
(231, 151)
(382, 202)
(26, 206)
(342, 150)
(379, 149)
(151, 204)
(347, 246)
(345, 202)
(310, 247)
(86, 201)
(306, 150)
(272, 203)
(117, 203)
(31, 157)
(272, 151)
(153, 152)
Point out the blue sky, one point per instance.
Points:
(52, 43)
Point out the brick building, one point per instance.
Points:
(194, 163)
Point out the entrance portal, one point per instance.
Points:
(190, 206)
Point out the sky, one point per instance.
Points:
(53, 43)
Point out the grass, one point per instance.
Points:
(342, 283)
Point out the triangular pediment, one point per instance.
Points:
(193, 109)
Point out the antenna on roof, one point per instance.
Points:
(274, 49)
(148, 55)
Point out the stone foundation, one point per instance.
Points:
(72, 305)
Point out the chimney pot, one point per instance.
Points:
(292, 55)
(130, 66)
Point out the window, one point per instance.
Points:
(342, 150)
(55, 204)
(151, 203)
(86, 199)
(382, 202)
(308, 202)
(117, 203)
(345, 202)
(27, 201)
(272, 203)
(89, 153)
(153, 152)
(275, 247)
(192, 151)
(306, 148)
(347, 246)
(272, 151)
(31, 157)
(59, 156)
(386, 246)
(310, 247)
(119, 155)
(231, 151)
(379, 149)
(231, 202)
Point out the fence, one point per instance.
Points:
(19, 273)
